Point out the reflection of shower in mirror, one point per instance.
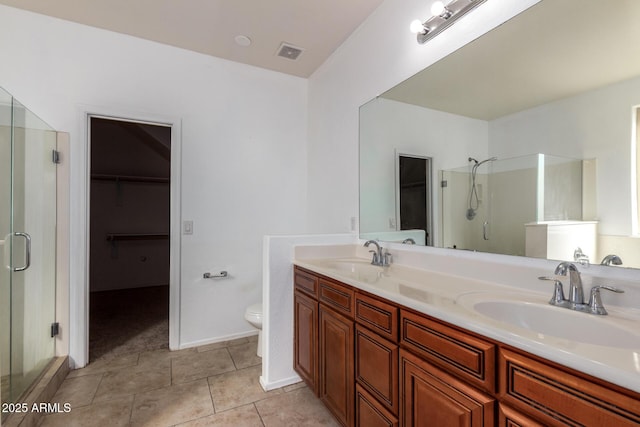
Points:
(474, 202)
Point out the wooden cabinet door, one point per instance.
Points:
(431, 397)
(370, 413)
(305, 339)
(336, 383)
(377, 367)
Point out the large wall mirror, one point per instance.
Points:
(530, 131)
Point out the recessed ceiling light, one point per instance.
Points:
(243, 40)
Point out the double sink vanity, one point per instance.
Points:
(398, 345)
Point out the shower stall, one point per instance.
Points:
(27, 247)
(488, 205)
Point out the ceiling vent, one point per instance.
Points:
(289, 51)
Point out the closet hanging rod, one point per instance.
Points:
(112, 237)
(129, 178)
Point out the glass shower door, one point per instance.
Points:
(5, 236)
(28, 230)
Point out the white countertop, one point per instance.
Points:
(446, 296)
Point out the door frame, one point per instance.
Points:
(80, 228)
(429, 191)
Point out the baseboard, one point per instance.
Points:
(218, 339)
(278, 384)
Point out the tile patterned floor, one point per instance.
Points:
(212, 385)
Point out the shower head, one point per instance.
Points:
(491, 159)
(471, 159)
(471, 213)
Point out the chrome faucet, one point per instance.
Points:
(581, 257)
(611, 259)
(378, 257)
(576, 294)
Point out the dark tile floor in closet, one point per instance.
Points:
(128, 321)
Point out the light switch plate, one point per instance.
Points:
(187, 227)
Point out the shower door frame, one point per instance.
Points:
(32, 285)
(79, 281)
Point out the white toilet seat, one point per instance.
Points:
(254, 310)
(253, 315)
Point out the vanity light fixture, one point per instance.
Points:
(443, 16)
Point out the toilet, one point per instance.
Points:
(253, 315)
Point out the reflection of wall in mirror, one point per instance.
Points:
(513, 204)
(419, 237)
(592, 125)
(386, 126)
(596, 124)
(511, 192)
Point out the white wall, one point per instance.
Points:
(243, 147)
(379, 55)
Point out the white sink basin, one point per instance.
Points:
(547, 320)
(356, 269)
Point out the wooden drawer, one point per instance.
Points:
(305, 281)
(369, 412)
(559, 398)
(465, 356)
(377, 367)
(338, 297)
(379, 316)
(508, 417)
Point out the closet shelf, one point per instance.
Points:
(114, 237)
(129, 178)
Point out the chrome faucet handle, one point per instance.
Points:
(595, 302)
(387, 257)
(581, 257)
(558, 292)
(374, 258)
